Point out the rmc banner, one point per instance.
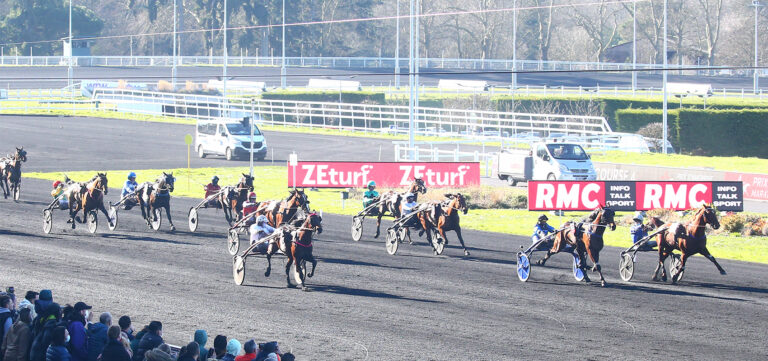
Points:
(385, 174)
(634, 196)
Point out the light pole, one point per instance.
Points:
(173, 69)
(226, 54)
(397, 45)
(634, 46)
(69, 68)
(514, 44)
(757, 5)
(282, 67)
(664, 85)
(411, 87)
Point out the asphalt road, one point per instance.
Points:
(56, 77)
(364, 303)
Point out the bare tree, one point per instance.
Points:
(601, 25)
(711, 18)
(544, 27)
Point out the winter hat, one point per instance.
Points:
(233, 347)
(250, 346)
(46, 295)
(220, 342)
(155, 326)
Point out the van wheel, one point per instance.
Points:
(511, 181)
(228, 154)
(200, 152)
(551, 177)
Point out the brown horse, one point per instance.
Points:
(88, 196)
(232, 198)
(391, 202)
(589, 242)
(10, 171)
(442, 217)
(285, 211)
(299, 249)
(156, 195)
(690, 238)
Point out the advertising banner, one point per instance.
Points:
(385, 174)
(632, 196)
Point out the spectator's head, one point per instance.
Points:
(287, 357)
(25, 315)
(46, 295)
(233, 347)
(83, 309)
(220, 344)
(191, 350)
(59, 336)
(53, 310)
(5, 301)
(114, 332)
(125, 323)
(106, 318)
(249, 346)
(32, 296)
(156, 327)
(201, 337)
(165, 348)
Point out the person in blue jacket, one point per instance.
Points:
(77, 318)
(57, 351)
(129, 188)
(541, 229)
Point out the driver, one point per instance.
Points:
(638, 230)
(129, 189)
(58, 190)
(541, 229)
(250, 206)
(259, 231)
(371, 195)
(409, 207)
(211, 189)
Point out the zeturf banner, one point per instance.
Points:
(385, 174)
(632, 196)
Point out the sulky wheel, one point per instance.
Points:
(392, 241)
(93, 221)
(523, 266)
(112, 211)
(438, 243)
(357, 228)
(16, 192)
(238, 269)
(626, 267)
(157, 219)
(233, 242)
(47, 221)
(296, 276)
(674, 267)
(192, 219)
(578, 273)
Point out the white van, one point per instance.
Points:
(545, 161)
(230, 138)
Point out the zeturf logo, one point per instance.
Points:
(385, 174)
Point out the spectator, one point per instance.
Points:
(287, 357)
(76, 320)
(190, 352)
(152, 339)
(233, 349)
(126, 327)
(250, 351)
(44, 300)
(49, 320)
(161, 353)
(97, 336)
(57, 351)
(219, 347)
(29, 302)
(201, 337)
(16, 343)
(137, 339)
(268, 351)
(115, 350)
(6, 316)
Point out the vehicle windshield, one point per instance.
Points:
(567, 151)
(240, 129)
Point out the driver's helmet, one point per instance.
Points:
(215, 179)
(410, 197)
(252, 196)
(131, 175)
(56, 184)
(638, 216)
(261, 219)
(371, 185)
(543, 218)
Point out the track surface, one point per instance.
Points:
(56, 77)
(365, 303)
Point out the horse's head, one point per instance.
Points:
(710, 216)
(246, 182)
(655, 222)
(460, 202)
(168, 179)
(418, 186)
(301, 200)
(314, 222)
(100, 182)
(21, 154)
(607, 217)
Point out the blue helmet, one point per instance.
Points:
(131, 175)
(371, 184)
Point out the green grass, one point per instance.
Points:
(736, 164)
(271, 183)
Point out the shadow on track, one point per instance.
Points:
(127, 237)
(341, 290)
(8, 232)
(672, 292)
(360, 263)
(718, 286)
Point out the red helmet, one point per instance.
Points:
(56, 184)
(252, 195)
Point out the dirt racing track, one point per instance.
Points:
(362, 303)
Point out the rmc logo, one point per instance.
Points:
(672, 195)
(566, 195)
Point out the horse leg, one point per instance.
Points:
(581, 253)
(594, 255)
(461, 240)
(542, 261)
(663, 254)
(312, 260)
(106, 214)
(378, 224)
(301, 273)
(288, 265)
(270, 252)
(705, 252)
(683, 259)
(168, 214)
(73, 213)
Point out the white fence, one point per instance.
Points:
(391, 119)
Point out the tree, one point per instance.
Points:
(601, 26)
(711, 17)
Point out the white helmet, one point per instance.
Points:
(638, 216)
(261, 218)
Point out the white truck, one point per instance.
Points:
(544, 161)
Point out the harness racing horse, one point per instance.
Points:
(299, 249)
(442, 217)
(391, 202)
(231, 198)
(589, 242)
(88, 196)
(285, 211)
(156, 195)
(10, 171)
(690, 238)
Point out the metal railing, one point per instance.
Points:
(393, 119)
